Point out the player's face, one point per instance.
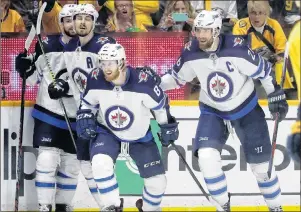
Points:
(124, 8)
(205, 37)
(257, 18)
(68, 26)
(110, 69)
(83, 24)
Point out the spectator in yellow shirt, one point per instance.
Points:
(142, 9)
(11, 20)
(124, 18)
(266, 36)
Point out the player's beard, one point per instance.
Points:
(206, 45)
(112, 76)
(68, 33)
(83, 32)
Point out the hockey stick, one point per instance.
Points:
(39, 21)
(28, 42)
(193, 175)
(277, 114)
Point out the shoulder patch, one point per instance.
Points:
(95, 73)
(143, 77)
(238, 41)
(102, 40)
(187, 45)
(242, 23)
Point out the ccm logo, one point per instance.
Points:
(152, 163)
(84, 115)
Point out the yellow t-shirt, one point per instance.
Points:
(13, 22)
(294, 54)
(273, 32)
(50, 20)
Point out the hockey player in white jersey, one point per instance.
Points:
(225, 66)
(57, 167)
(124, 98)
(81, 57)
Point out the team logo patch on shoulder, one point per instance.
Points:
(219, 86)
(45, 39)
(94, 73)
(143, 77)
(242, 24)
(119, 118)
(102, 40)
(80, 77)
(188, 45)
(238, 41)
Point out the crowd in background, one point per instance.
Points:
(267, 23)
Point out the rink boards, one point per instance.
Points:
(182, 193)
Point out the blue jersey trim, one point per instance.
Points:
(51, 120)
(246, 107)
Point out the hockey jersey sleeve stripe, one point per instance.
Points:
(180, 82)
(267, 70)
(259, 69)
(161, 104)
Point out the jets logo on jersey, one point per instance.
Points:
(79, 76)
(143, 77)
(119, 118)
(94, 73)
(238, 41)
(102, 40)
(219, 86)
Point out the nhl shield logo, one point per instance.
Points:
(219, 86)
(94, 73)
(102, 40)
(119, 118)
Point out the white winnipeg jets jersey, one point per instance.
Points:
(125, 110)
(46, 109)
(81, 60)
(225, 76)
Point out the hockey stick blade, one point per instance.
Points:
(29, 38)
(275, 132)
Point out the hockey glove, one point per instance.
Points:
(86, 124)
(151, 73)
(50, 4)
(58, 89)
(278, 104)
(294, 142)
(24, 65)
(169, 132)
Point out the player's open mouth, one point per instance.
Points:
(108, 73)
